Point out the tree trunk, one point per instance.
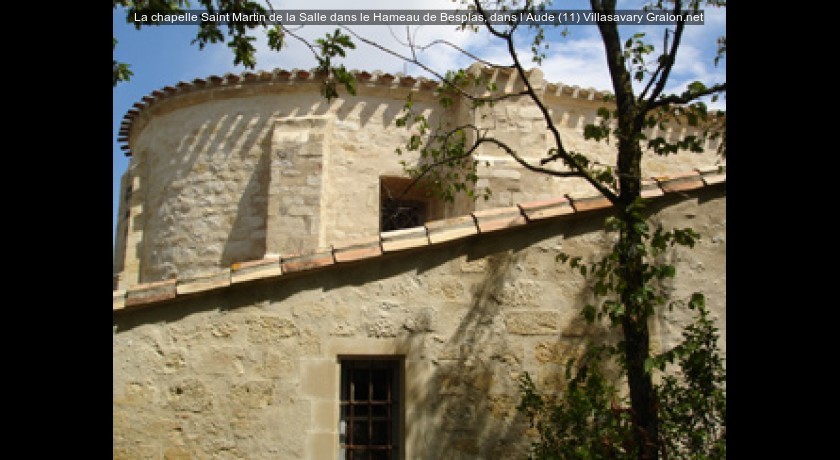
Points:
(634, 323)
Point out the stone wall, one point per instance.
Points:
(222, 174)
(251, 371)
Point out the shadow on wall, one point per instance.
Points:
(207, 198)
(467, 400)
(468, 409)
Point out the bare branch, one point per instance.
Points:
(464, 52)
(300, 39)
(525, 164)
(568, 158)
(418, 63)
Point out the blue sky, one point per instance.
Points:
(163, 55)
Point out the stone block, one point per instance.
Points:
(533, 322)
(319, 378)
(119, 299)
(254, 394)
(324, 415)
(189, 395)
(321, 446)
(271, 329)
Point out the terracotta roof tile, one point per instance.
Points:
(398, 240)
(590, 203)
(372, 247)
(358, 250)
(543, 209)
(650, 189)
(712, 176)
(374, 78)
(255, 269)
(490, 220)
(680, 182)
(146, 293)
(307, 261)
(450, 229)
(204, 282)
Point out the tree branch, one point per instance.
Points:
(667, 62)
(437, 75)
(464, 52)
(687, 96)
(525, 164)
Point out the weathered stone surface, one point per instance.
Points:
(190, 395)
(246, 170)
(533, 322)
(270, 329)
(255, 394)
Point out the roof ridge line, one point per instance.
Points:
(312, 75)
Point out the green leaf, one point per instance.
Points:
(649, 364)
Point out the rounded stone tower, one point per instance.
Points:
(240, 167)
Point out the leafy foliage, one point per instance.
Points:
(684, 415)
(330, 47)
(590, 419)
(121, 69)
(240, 36)
(693, 403)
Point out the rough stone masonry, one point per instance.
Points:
(250, 223)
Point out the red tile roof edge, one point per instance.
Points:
(274, 267)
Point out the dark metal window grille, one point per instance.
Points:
(369, 410)
(397, 214)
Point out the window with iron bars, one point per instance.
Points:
(370, 409)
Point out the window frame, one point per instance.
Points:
(394, 405)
